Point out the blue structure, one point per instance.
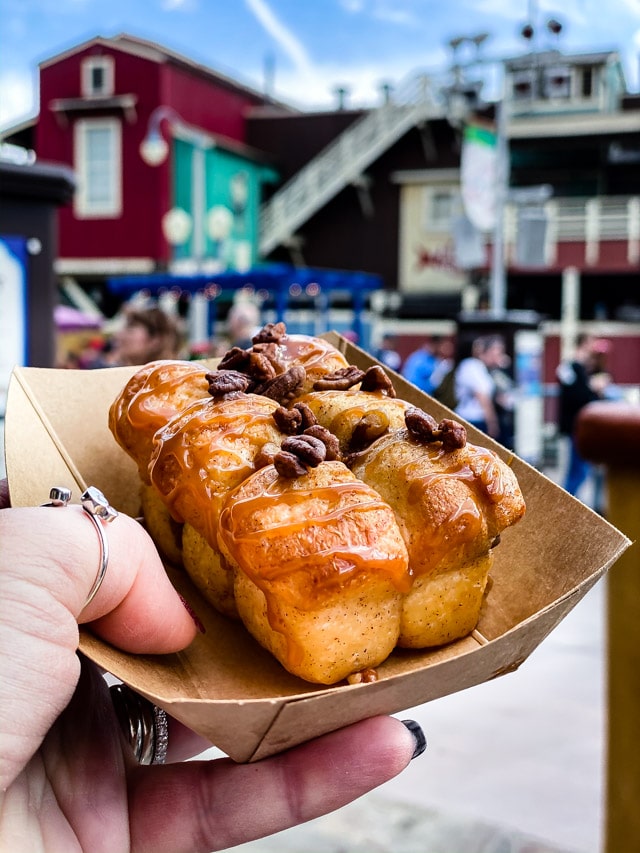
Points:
(280, 285)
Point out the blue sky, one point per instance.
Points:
(313, 46)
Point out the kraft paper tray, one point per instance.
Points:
(224, 685)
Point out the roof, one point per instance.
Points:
(154, 52)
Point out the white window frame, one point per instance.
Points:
(433, 223)
(86, 73)
(83, 207)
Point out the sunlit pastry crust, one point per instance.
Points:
(165, 532)
(450, 505)
(321, 569)
(155, 393)
(209, 571)
(197, 458)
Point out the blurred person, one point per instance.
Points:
(575, 389)
(243, 321)
(475, 387)
(420, 364)
(445, 361)
(504, 401)
(387, 353)
(72, 776)
(148, 334)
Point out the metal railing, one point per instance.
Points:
(343, 161)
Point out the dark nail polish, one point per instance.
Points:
(418, 736)
(193, 614)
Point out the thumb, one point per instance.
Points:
(58, 549)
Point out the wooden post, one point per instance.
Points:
(609, 434)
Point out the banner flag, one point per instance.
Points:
(479, 175)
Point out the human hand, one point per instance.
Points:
(68, 777)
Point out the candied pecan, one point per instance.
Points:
(365, 676)
(284, 387)
(329, 440)
(288, 421)
(260, 367)
(370, 427)
(375, 379)
(226, 382)
(308, 449)
(288, 465)
(452, 434)
(270, 333)
(421, 425)
(308, 418)
(270, 351)
(424, 428)
(340, 380)
(235, 358)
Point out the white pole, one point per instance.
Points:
(497, 282)
(570, 311)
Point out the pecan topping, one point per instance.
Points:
(288, 465)
(260, 367)
(370, 427)
(225, 383)
(340, 380)
(365, 676)
(235, 359)
(308, 449)
(285, 387)
(299, 452)
(288, 421)
(308, 418)
(375, 379)
(452, 434)
(329, 440)
(270, 333)
(426, 429)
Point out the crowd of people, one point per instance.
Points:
(474, 380)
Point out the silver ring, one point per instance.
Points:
(145, 725)
(99, 510)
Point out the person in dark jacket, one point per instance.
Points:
(575, 391)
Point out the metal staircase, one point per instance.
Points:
(344, 160)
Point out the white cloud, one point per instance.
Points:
(18, 97)
(280, 33)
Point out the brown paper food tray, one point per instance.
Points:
(224, 685)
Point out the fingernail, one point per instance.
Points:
(418, 736)
(193, 614)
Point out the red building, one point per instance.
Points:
(98, 102)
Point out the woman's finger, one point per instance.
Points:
(57, 550)
(218, 804)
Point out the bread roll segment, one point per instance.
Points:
(320, 569)
(451, 505)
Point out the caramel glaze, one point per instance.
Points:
(449, 505)
(207, 450)
(155, 394)
(308, 351)
(341, 546)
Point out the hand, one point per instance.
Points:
(69, 781)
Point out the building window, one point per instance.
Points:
(98, 159)
(586, 89)
(557, 82)
(441, 205)
(97, 76)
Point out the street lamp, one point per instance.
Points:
(154, 149)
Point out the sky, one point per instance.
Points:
(303, 50)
